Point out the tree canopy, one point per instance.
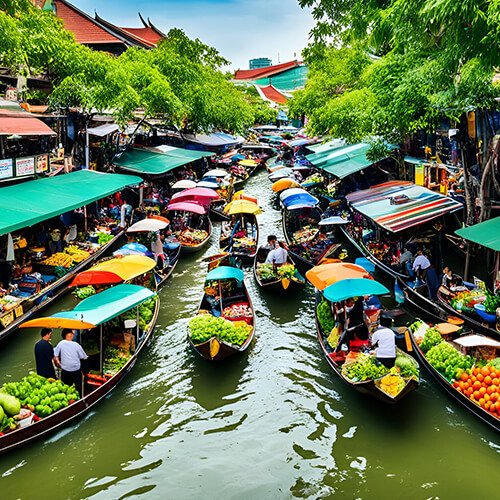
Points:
(428, 59)
(180, 81)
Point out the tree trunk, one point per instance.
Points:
(486, 178)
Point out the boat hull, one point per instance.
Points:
(68, 414)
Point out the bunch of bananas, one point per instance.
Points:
(76, 253)
(59, 259)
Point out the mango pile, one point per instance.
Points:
(77, 254)
(59, 259)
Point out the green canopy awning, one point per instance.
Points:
(486, 233)
(30, 202)
(143, 161)
(329, 146)
(108, 304)
(342, 161)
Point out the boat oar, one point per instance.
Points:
(220, 297)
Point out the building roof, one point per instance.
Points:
(273, 94)
(86, 29)
(254, 74)
(146, 37)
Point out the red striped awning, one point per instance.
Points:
(399, 205)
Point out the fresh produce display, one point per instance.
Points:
(237, 311)
(114, 360)
(84, 292)
(407, 367)
(244, 244)
(76, 253)
(491, 303)
(37, 394)
(266, 271)
(392, 384)
(146, 312)
(307, 233)
(465, 301)
(325, 317)
(481, 385)
(59, 259)
(205, 326)
(364, 368)
(313, 179)
(192, 237)
(226, 287)
(447, 360)
(104, 238)
(8, 302)
(432, 337)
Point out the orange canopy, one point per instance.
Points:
(327, 274)
(240, 195)
(284, 183)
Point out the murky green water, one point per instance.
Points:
(274, 423)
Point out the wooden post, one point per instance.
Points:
(101, 358)
(467, 260)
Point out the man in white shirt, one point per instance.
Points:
(277, 256)
(68, 356)
(385, 340)
(420, 265)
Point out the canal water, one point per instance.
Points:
(273, 423)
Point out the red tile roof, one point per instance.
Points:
(147, 34)
(23, 125)
(85, 29)
(274, 94)
(254, 74)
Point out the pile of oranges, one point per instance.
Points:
(482, 385)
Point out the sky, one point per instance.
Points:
(239, 29)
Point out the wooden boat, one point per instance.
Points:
(215, 348)
(490, 418)
(276, 283)
(386, 217)
(111, 303)
(240, 234)
(301, 230)
(368, 387)
(37, 302)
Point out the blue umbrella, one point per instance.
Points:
(133, 249)
(307, 199)
(365, 264)
(355, 287)
(225, 272)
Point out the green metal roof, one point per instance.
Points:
(290, 79)
(142, 161)
(30, 202)
(342, 161)
(108, 304)
(486, 233)
(326, 146)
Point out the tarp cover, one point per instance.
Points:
(108, 304)
(486, 233)
(342, 161)
(399, 205)
(30, 202)
(142, 161)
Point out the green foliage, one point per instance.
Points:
(179, 82)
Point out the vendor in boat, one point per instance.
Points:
(385, 341)
(278, 255)
(420, 265)
(271, 242)
(356, 320)
(68, 356)
(406, 260)
(44, 355)
(451, 283)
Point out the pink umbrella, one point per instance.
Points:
(198, 192)
(187, 207)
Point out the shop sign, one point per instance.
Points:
(42, 163)
(6, 169)
(7, 319)
(419, 175)
(25, 166)
(60, 153)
